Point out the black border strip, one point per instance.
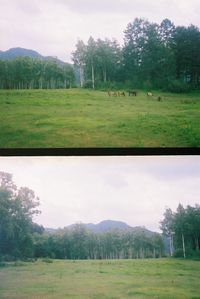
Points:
(98, 151)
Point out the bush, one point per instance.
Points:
(29, 259)
(147, 85)
(178, 252)
(3, 264)
(178, 86)
(88, 84)
(8, 258)
(191, 253)
(18, 264)
(47, 260)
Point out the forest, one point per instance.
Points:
(153, 56)
(22, 238)
(34, 73)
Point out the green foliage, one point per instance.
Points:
(178, 252)
(185, 226)
(2, 264)
(17, 207)
(29, 73)
(88, 84)
(153, 56)
(78, 244)
(99, 62)
(178, 86)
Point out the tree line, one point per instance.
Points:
(154, 55)
(22, 238)
(34, 73)
(183, 230)
(160, 56)
(80, 243)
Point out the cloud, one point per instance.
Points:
(112, 6)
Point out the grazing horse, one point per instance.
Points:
(149, 94)
(121, 93)
(132, 93)
(114, 94)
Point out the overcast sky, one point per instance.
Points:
(134, 189)
(53, 27)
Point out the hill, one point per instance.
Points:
(13, 53)
(106, 226)
(19, 52)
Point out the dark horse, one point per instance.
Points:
(132, 93)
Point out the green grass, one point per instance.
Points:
(116, 279)
(83, 118)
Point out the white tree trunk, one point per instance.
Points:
(92, 76)
(183, 241)
(81, 75)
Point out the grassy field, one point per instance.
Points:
(83, 118)
(116, 279)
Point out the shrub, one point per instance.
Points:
(18, 264)
(88, 84)
(178, 86)
(147, 85)
(3, 264)
(178, 252)
(8, 258)
(47, 260)
(191, 253)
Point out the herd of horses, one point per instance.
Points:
(123, 93)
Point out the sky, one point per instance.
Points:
(132, 189)
(53, 27)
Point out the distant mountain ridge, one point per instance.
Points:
(13, 53)
(19, 52)
(108, 225)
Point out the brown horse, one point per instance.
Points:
(112, 94)
(121, 93)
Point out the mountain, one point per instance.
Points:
(18, 52)
(108, 225)
(13, 53)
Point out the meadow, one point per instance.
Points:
(78, 118)
(101, 279)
